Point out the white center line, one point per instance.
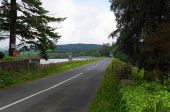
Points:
(16, 102)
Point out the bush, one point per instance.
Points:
(8, 58)
(2, 55)
(145, 97)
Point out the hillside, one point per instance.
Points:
(77, 47)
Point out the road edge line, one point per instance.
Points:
(42, 91)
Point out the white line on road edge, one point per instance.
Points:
(2, 108)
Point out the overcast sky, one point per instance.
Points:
(88, 21)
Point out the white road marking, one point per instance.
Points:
(16, 102)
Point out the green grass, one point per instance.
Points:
(145, 97)
(136, 96)
(28, 54)
(108, 96)
(137, 74)
(11, 78)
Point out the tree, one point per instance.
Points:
(32, 25)
(156, 54)
(118, 54)
(13, 17)
(138, 22)
(105, 50)
(4, 20)
(2, 55)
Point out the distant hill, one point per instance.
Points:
(78, 47)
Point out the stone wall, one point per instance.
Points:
(24, 64)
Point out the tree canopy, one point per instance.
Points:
(142, 31)
(32, 25)
(105, 50)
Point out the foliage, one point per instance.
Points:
(2, 55)
(118, 54)
(63, 51)
(32, 25)
(145, 97)
(135, 95)
(105, 50)
(142, 31)
(156, 53)
(108, 95)
(28, 54)
(6, 79)
(8, 58)
(136, 74)
(77, 47)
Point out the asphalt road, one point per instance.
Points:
(69, 91)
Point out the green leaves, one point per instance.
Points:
(32, 25)
(142, 31)
(145, 97)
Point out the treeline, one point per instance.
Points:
(76, 50)
(77, 47)
(143, 31)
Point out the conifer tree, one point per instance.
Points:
(32, 25)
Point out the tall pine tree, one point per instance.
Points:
(32, 25)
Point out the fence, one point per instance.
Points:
(25, 64)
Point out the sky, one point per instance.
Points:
(88, 21)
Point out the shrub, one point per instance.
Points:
(2, 55)
(8, 58)
(145, 97)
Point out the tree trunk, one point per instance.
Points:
(13, 17)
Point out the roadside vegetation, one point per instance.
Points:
(143, 29)
(64, 51)
(143, 41)
(133, 94)
(11, 78)
(108, 96)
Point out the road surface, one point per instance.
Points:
(69, 91)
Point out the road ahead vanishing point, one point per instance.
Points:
(70, 91)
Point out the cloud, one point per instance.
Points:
(105, 25)
(88, 21)
(63, 8)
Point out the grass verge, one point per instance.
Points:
(11, 78)
(108, 97)
(132, 95)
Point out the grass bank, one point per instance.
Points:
(11, 78)
(108, 96)
(131, 95)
